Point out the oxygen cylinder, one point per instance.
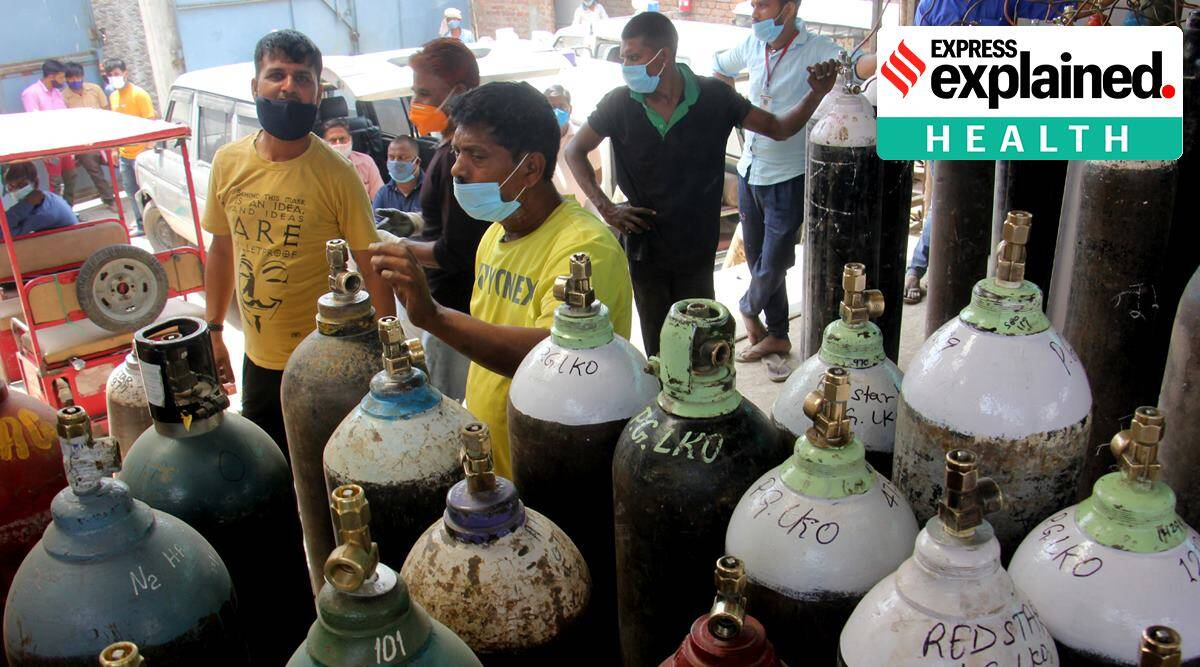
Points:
(999, 380)
(500, 575)
(678, 471)
(110, 567)
(817, 532)
(125, 399)
(1101, 571)
(1106, 295)
(400, 444)
(1035, 186)
(562, 450)
(951, 603)
(365, 616)
(856, 344)
(1180, 456)
(31, 473)
(324, 379)
(121, 654)
(893, 248)
(843, 201)
(224, 476)
(726, 635)
(1159, 647)
(959, 240)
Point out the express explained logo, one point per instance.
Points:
(903, 68)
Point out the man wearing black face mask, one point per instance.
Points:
(274, 199)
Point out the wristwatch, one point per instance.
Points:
(216, 327)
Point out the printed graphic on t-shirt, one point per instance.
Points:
(505, 284)
(266, 229)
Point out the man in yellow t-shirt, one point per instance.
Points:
(507, 139)
(274, 199)
(128, 98)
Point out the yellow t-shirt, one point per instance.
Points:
(514, 286)
(133, 101)
(280, 215)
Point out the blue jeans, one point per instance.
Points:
(130, 184)
(771, 216)
(919, 263)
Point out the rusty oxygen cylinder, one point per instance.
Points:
(562, 450)
(1159, 647)
(1179, 398)
(223, 475)
(855, 343)
(503, 577)
(365, 616)
(125, 398)
(959, 241)
(110, 566)
(952, 596)
(726, 636)
(679, 469)
(31, 473)
(324, 379)
(1101, 571)
(121, 654)
(818, 531)
(999, 380)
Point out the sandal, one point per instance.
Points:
(778, 368)
(913, 292)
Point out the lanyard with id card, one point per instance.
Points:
(765, 98)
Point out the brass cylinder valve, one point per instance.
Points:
(342, 281)
(729, 607)
(121, 654)
(826, 407)
(476, 457)
(712, 354)
(1136, 448)
(356, 556)
(1160, 647)
(968, 496)
(86, 459)
(576, 289)
(399, 355)
(859, 304)
(846, 69)
(1010, 254)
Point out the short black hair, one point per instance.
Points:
(73, 69)
(114, 63)
(654, 29)
(515, 115)
(52, 67)
(405, 139)
(19, 170)
(293, 45)
(335, 122)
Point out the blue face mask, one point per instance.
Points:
(401, 171)
(638, 78)
(562, 116)
(14, 197)
(482, 201)
(454, 24)
(767, 30)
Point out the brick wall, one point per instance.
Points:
(527, 15)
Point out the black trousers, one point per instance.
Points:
(260, 401)
(656, 289)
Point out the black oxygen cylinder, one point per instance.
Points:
(1180, 400)
(1035, 186)
(1106, 296)
(843, 200)
(893, 249)
(961, 237)
(679, 470)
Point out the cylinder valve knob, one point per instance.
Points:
(859, 304)
(968, 496)
(121, 654)
(1136, 448)
(826, 406)
(1160, 647)
(356, 556)
(729, 607)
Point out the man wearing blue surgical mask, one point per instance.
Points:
(402, 194)
(29, 209)
(771, 173)
(669, 130)
(560, 101)
(452, 26)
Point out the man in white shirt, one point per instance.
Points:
(588, 12)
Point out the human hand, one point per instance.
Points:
(395, 221)
(396, 264)
(822, 76)
(221, 358)
(627, 219)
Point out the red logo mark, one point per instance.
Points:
(903, 68)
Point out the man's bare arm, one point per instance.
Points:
(376, 286)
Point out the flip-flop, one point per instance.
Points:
(778, 368)
(910, 291)
(750, 354)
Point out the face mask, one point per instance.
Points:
(75, 85)
(401, 171)
(639, 80)
(453, 24)
(428, 119)
(482, 201)
(589, 3)
(562, 116)
(11, 198)
(58, 85)
(117, 82)
(285, 119)
(343, 149)
(767, 30)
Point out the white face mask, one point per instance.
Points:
(12, 198)
(344, 149)
(117, 82)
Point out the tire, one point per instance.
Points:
(122, 288)
(158, 230)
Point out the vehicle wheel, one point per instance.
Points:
(158, 231)
(122, 288)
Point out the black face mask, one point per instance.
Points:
(285, 119)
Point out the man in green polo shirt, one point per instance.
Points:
(669, 128)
